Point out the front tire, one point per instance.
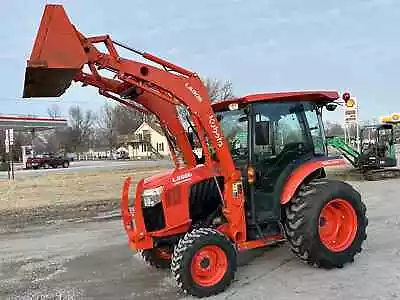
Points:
(204, 262)
(159, 258)
(326, 223)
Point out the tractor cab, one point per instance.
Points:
(377, 146)
(270, 136)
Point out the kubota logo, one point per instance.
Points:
(215, 131)
(181, 178)
(194, 92)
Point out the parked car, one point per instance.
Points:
(122, 155)
(46, 161)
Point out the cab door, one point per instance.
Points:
(281, 140)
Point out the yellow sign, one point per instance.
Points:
(350, 111)
(350, 103)
(393, 118)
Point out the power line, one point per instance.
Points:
(25, 101)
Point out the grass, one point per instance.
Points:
(66, 189)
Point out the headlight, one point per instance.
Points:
(151, 197)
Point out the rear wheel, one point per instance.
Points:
(159, 258)
(326, 223)
(65, 164)
(204, 262)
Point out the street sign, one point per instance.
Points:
(11, 136)
(9, 142)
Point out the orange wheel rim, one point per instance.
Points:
(337, 225)
(209, 265)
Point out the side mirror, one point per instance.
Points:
(331, 106)
(262, 133)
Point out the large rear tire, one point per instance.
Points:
(326, 223)
(204, 262)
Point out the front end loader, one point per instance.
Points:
(257, 180)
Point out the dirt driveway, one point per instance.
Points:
(92, 261)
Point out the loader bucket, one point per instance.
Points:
(57, 55)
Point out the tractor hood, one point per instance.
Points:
(157, 180)
(176, 177)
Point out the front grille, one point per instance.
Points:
(154, 217)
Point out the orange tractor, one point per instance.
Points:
(249, 172)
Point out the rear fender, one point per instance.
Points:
(302, 172)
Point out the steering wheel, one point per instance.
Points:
(297, 147)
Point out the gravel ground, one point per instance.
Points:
(92, 261)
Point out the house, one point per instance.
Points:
(147, 141)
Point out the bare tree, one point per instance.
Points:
(81, 127)
(127, 120)
(107, 125)
(333, 129)
(54, 111)
(218, 90)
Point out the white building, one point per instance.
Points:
(148, 141)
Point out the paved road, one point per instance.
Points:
(92, 261)
(80, 166)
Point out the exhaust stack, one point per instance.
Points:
(57, 55)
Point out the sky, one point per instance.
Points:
(260, 46)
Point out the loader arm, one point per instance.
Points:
(61, 53)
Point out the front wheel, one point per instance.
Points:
(326, 223)
(65, 164)
(159, 258)
(204, 262)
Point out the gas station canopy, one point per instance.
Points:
(29, 123)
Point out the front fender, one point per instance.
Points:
(297, 177)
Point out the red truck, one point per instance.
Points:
(46, 161)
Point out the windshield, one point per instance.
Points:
(281, 125)
(385, 135)
(234, 126)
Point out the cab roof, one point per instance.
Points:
(314, 96)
